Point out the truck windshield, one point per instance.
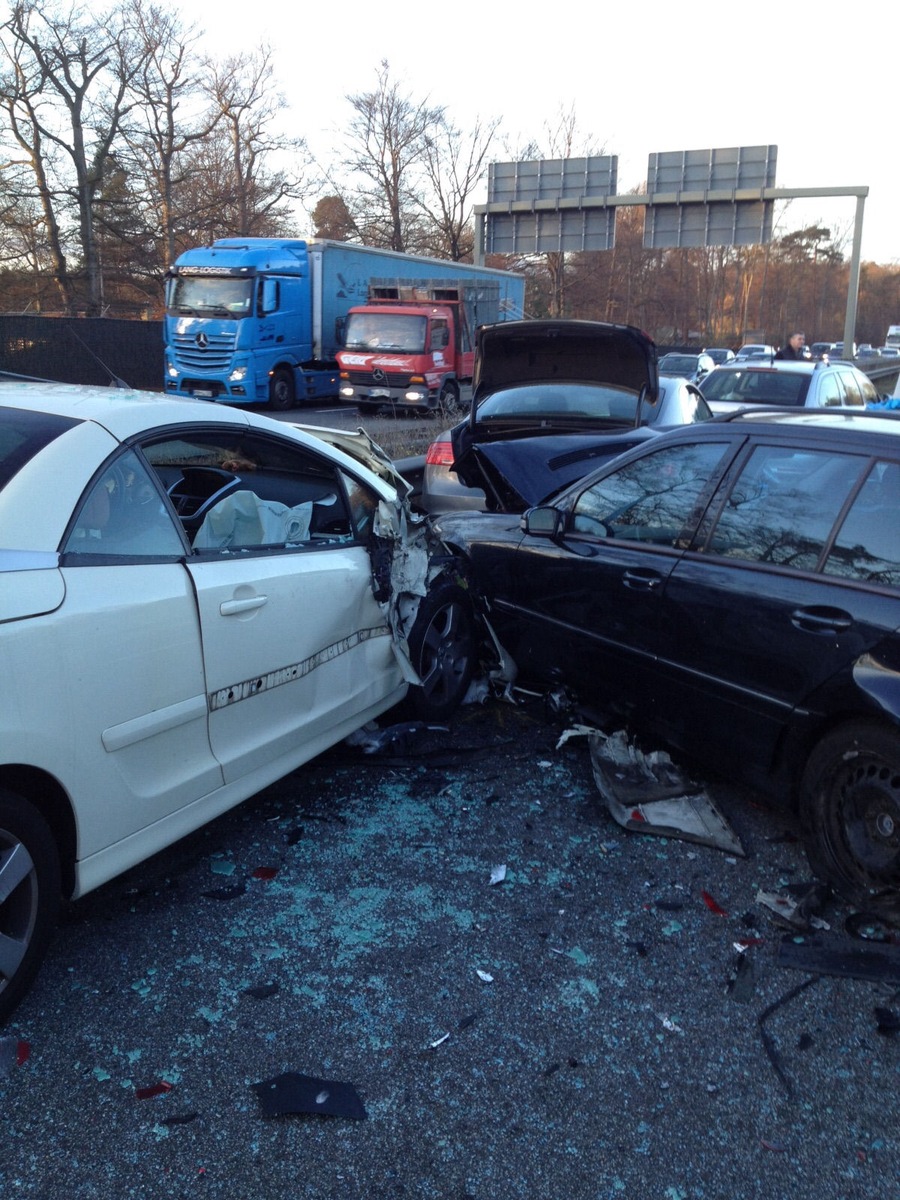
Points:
(386, 331)
(210, 296)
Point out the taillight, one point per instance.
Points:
(440, 454)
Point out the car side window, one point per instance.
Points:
(830, 391)
(867, 545)
(851, 387)
(238, 491)
(651, 499)
(123, 514)
(783, 505)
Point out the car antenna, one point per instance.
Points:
(114, 380)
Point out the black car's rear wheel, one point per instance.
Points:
(850, 807)
(29, 896)
(443, 648)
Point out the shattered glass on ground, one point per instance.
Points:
(607, 1017)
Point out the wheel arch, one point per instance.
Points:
(47, 795)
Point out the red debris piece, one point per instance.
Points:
(713, 905)
(776, 1147)
(154, 1089)
(13, 1050)
(748, 942)
(265, 872)
(637, 815)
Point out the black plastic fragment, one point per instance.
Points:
(295, 1093)
(229, 892)
(768, 1043)
(887, 1021)
(878, 963)
(262, 991)
(180, 1119)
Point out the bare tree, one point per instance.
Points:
(64, 93)
(171, 113)
(237, 155)
(454, 166)
(388, 137)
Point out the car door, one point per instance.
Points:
(754, 628)
(588, 600)
(126, 648)
(296, 649)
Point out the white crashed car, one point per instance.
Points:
(194, 601)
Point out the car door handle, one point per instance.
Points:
(228, 608)
(821, 620)
(644, 581)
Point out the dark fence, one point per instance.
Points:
(83, 350)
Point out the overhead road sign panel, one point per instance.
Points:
(692, 197)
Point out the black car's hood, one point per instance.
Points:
(519, 473)
(514, 352)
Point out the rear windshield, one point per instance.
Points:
(24, 434)
(756, 385)
(678, 364)
(558, 400)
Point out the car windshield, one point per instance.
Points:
(386, 331)
(756, 385)
(211, 296)
(543, 402)
(678, 364)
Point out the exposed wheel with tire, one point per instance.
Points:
(282, 392)
(850, 808)
(448, 400)
(443, 648)
(29, 896)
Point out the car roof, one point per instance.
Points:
(127, 412)
(832, 421)
(796, 365)
(123, 411)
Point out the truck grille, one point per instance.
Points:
(364, 379)
(215, 355)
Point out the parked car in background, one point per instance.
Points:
(867, 350)
(194, 601)
(822, 349)
(719, 355)
(755, 350)
(889, 351)
(838, 351)
(733, 589)
(796, 384)
(692, 367)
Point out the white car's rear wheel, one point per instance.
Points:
(29, 896)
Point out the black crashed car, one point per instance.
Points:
(546, 396)
(733, 589)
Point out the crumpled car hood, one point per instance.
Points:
(519, 473)
(360, 446)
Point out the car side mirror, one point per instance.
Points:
(544, 521)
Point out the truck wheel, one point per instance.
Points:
(442, 647)
(29, 896)
(448, 401)
(282, 393)
(850, 808)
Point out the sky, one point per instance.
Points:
(659, 78)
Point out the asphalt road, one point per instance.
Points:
(580, 1030)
